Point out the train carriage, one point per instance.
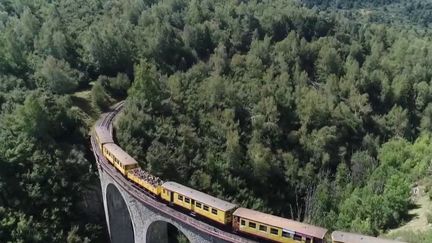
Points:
(275, 228)
(345, 237)
(144, 179)
(200, 203)
(119, 158)
(102, 135)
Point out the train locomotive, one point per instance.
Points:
(258, 225)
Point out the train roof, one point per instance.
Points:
(199, 196)
(287, 224)
(339, 236)
(103, 134)
(120, 154)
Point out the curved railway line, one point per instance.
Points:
(156, 204)
(150, 201)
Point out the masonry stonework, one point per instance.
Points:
(129, 220)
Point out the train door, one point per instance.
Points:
(316, 240)
(192, 205)
(171, 196)
(235, 223)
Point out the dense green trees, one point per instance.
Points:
(43, 161)
(57, 76)
(287, 114)
(45, 173)
(414, 12)
(298, 112)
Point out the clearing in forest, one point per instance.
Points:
(419, 214)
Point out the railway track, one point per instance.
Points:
(106, 120)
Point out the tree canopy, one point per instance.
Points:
(301, 112)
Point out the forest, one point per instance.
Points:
(403, 13)
(281, 106)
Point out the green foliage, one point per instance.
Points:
(45, 172)
(148, 80)
(16, 227)
(99, 96)
(57, 76)
(282, 106)
(43, 123)
(413, 12)
(120, 84)
(384, 199)
(108, 46)
(293, 111)
(53, 39)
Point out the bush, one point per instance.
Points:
(99, 96)
(57, 76)
(119, 85)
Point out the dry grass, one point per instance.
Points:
(83, 101)
(418, 228)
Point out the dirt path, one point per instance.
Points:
(419, 221)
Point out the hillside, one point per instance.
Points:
(307, 113)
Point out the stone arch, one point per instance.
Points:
(119, 218)
(161, 231)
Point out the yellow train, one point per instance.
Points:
(244, 221)
(195, 201)
(275, 228)
(200, 203)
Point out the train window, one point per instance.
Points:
(274, 231)
(242, 222)
(308, 240)
(297, 237)
(187, 200)
(286, 234)
(252, 225)
(206, 208)
(214, 211)
(198, 205)
(262, 227)
(180, 197)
